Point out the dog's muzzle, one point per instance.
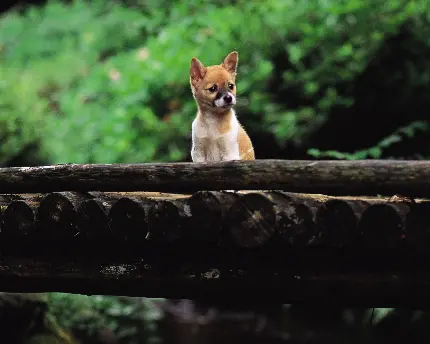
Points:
(225, 99)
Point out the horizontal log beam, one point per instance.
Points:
(366, 177)
(137, 278)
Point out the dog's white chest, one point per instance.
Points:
(210, 145)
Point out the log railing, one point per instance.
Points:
(115, 234)
(366, 177)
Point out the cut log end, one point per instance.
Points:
(57, 216)
(93, 218)
(128, 220)
(207, 210)
(296, 225)
(251, 220)
(167, 220)
(337, 222)
(418, 226)
(18, 220)
(383, 225)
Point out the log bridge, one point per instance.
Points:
(353, 233)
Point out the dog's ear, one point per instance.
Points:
(197, 71)
(230, 62)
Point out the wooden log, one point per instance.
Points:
(337, 222)
(208, 210)
(141, 195)
(128, 218)
(366, 177)
(199, 217)
(296, 225)
(401, 199)
(93, 218)
(57, 214)
(418, 226)
(19, 224)
(7, 199)
(391, 288)
(18, 220)
(168, 220)
(251, 220)
(296, 218)
(383, 225)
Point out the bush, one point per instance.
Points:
(120, 92)
(131, 320)
(20, 121)
(49, 49)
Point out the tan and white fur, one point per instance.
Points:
(217, 135)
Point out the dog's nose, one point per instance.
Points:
(228, 99)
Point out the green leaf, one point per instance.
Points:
(295, 53)
(375, 152)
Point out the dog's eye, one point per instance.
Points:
(230, 86)
(213, 88)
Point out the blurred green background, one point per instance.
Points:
(107, 82)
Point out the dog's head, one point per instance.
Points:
(214, 87)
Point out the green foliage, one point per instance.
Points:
(335, 42)
(376, 151)
(20, 121)
(131, 319)
(87, 30)
(45, 51)
(110, 81)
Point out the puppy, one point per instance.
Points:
(217, 135)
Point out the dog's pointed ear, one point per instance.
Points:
(197, 71)
(230, 62)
